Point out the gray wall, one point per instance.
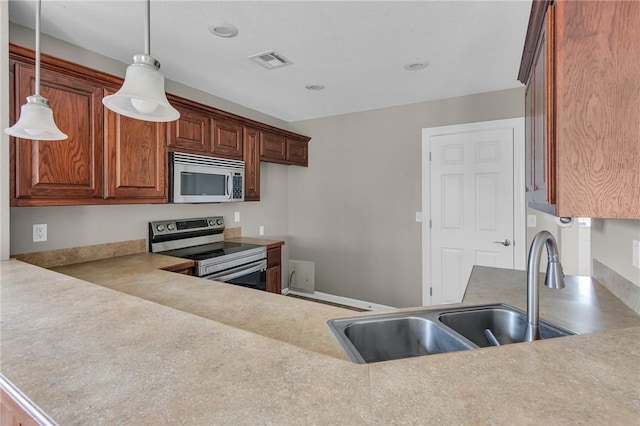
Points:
(611, 245)
(353, 211)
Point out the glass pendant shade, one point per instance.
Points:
(36, 118)
(142, 94)
(36, 122)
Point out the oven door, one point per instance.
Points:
(250, 275)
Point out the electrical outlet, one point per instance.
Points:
(261, 230)
(418, 216)
(636, 253)
(236, 217)
(40, 232)
(531, 220)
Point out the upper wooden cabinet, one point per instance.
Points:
(192, 131)
(135, 166)
(227, 138)
(251, 138)
(58, 172)
(283, 149)
(107, 159)
(582, 108)
(112, 159)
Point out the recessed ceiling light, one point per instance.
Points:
(223, 30)
(416, 66)
(314, 87)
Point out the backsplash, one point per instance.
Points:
(623, 289)
(69, 256)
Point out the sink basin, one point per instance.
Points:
(386, 337)
(505, 323)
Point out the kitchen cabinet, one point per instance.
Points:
(12, 414)
(274, 268)
(277, 148)
(58, 172)
(192, 131)
(227, 138)
(182, 268)
(135, 165)
(298, 152)
(251, 141)
(109, 159)
(581, 110)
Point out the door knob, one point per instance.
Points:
(505, 243)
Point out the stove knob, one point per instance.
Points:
(212, 222)
(219, 222)
(160, 228)
(171, 227)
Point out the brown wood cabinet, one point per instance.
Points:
(277, 148)
(582, 113)
(251, 141)
(192, 131)
(58, 172)
(274, 268)
(227, 138)
(110, 159)
(12, 414)
(186, 268)
(135, 166)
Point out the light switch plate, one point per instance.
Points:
(236, 217)
(418, 216)
(636, 253)
(261, 230)
(531, 220)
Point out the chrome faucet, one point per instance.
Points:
(553, 279)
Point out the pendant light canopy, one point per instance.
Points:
(142, 94)
(36, 118)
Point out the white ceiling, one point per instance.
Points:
(357, 49)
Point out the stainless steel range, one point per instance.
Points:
(202, 240)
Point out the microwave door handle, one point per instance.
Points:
(229, 189)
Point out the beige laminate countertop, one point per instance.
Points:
(87, 354)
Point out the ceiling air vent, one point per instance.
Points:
(270, 59)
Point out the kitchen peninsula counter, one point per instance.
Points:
(87, 354)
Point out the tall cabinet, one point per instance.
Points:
(582, 108)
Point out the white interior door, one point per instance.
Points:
(471, 207)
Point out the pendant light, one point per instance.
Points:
(142, 94)
(36, 118)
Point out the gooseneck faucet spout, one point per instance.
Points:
(553, 279)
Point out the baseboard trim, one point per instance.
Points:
(347, 301)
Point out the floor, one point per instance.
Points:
(327, 303)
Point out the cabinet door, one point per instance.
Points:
(192, 131)
(274, 277)
(251, 141)
(135, 159)
(67, 171)
(528, 138)
(227, 138)
(298, 152)
(273, 147)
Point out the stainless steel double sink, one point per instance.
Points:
(384, 337)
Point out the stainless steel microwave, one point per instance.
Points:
(200, 179)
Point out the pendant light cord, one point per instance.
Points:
(38, 4)
(147, 28)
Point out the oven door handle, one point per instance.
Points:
(230, 274)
